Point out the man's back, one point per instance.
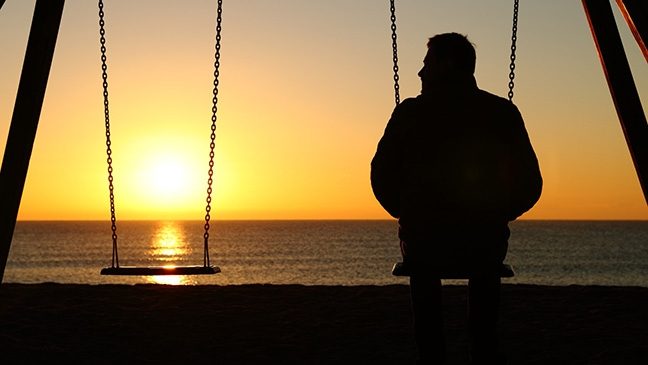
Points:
(458, 154)
(456, 164)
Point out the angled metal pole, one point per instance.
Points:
(621, 84)
(1, 3)
(635, 13)
(24, 122)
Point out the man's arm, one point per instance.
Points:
(386, 166)
(526, 187)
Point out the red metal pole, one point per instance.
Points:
(635, 13)
(621, 84)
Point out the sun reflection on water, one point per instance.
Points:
(170, 279)
(169, 246)
(168, 243)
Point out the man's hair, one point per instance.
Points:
(455, 48)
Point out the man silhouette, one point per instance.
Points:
(455, 165)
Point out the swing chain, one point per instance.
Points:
(511, 84)
(212, 143)
(104, 77)
(392, 9)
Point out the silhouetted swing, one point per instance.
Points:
(400, 268)
(206, 268)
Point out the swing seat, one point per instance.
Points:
(401, 269)
(160, 270)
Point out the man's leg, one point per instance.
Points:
(428, 318)
(483, 307)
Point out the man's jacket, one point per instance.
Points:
(456, 156)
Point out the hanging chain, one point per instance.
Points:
(392, 9)
(511, 84)
(104, 76)
(212, 143)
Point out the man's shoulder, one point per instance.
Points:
(410, 102)
(496, 105)
(407, 107)
(490, 98)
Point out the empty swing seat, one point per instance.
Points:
(401, 269)
(115, 269)
(160, 270)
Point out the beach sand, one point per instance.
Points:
(293, 324)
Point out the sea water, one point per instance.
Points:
(313, 252)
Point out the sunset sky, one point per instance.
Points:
(306, 91)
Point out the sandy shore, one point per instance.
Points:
(292, 324)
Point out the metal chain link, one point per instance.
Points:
(392, 9)
(212, 143)
(511, 84)
(111, 188)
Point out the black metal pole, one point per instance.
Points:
(621, 84)
(635, 13)
(1, 3)
(24, 122)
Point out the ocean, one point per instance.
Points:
(314, 252)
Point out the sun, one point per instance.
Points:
(167, 180)
(169, 177)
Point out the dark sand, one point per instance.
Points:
(292, 324)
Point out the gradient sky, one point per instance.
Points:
(306, 91)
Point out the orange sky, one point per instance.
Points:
(305, 94)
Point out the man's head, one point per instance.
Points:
(449, 56)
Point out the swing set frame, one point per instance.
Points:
(42, 42)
